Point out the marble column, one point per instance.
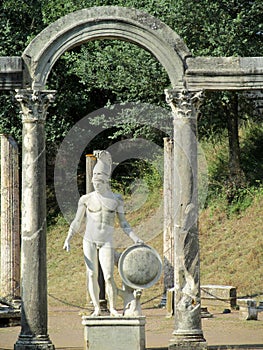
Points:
(33, 334)
(10, 219)
(187, 303)
(168, 236)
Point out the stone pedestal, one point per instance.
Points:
(114, 333)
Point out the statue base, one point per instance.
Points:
(114, 333)
(26, 342)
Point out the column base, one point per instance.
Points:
(26, 342)
(188, 346)
(184, 340)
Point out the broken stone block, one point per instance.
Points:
(247, 309)
(218, 295)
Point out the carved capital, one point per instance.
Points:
(34, 104)
(184, 104)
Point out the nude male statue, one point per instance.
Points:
(99, 209)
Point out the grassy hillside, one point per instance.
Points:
(232, 248)
(231, 234)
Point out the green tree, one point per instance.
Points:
(103, 72)
(222, 28)
(20, 21)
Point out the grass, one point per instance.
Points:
(231, 249)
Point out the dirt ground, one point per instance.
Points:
(220, 331)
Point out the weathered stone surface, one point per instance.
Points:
(218, 295)
(114, 333)
(34, 343)
(140, 266)
(168, 228)
(10, 219)
(9, 317)
(109, 22)
(188, 346)
(170, 302)
(248, 309)
(10, 73)
(187, 302)
(90, 163)
(33, 227)
(224, 73)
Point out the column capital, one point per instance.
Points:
(184, 103)
(34, 104)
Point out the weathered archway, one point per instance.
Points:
(107, 22)
(188, 77)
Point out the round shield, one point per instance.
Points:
(140, 266)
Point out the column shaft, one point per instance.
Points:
(34, 281)
(33, 227)
(187, 303)
(168, 230)
(10, 221)
(90, 164)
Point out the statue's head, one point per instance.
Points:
(102, 171)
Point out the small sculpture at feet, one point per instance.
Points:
(98, 209)
(131, 300)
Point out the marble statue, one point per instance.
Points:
(131, 301)
(98, 210)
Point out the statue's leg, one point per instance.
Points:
(106, 257)
(91, 261)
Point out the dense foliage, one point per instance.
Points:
(109, 72)
(101, 71)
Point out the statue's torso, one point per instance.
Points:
(100, 218)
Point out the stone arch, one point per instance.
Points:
(106, 22)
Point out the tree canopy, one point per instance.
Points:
(98, 73)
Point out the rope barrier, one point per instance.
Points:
(90, 309)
